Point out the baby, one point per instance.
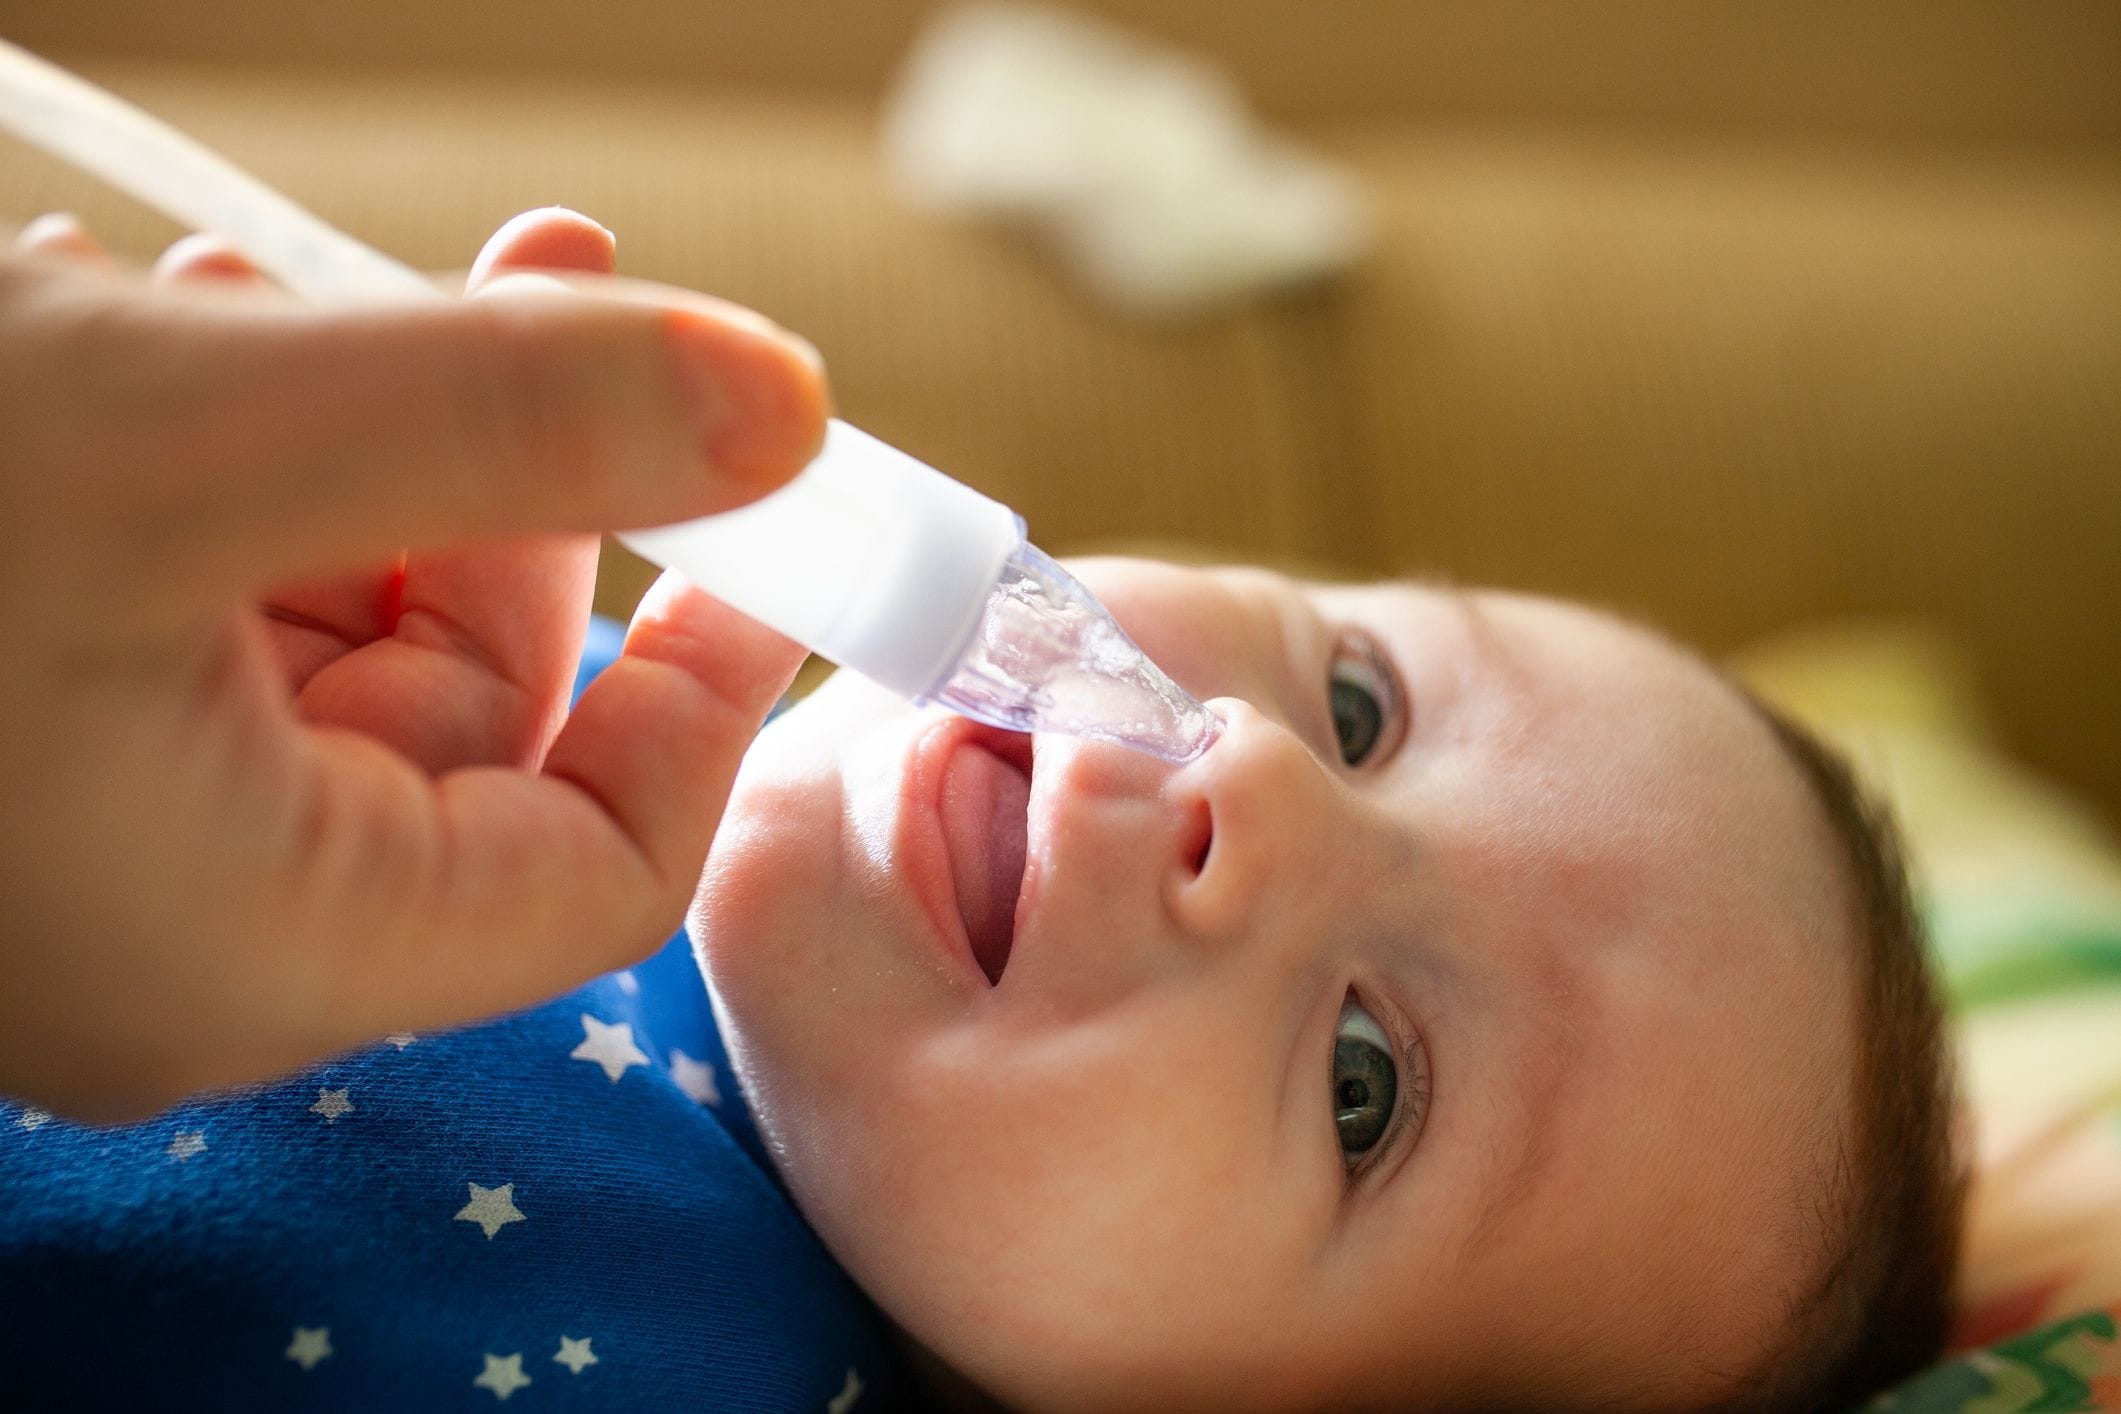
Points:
(1505, 1013)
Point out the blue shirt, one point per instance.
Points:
(565, 1208)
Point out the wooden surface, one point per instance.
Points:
(1901, 71)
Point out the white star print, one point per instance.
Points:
(401, 1039)
(33, 1118)
(628, 983)
(331, 1104)
(311, 1344)
(849, 1392)
(503, 1375)
(695, 1078)
(492, 1209)
(189, 1142)
(609, 1046)
(576, 1354)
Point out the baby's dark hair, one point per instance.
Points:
(1879, 1305)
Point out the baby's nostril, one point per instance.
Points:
(1203, 833)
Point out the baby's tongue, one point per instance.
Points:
(984, 803)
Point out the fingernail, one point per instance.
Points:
(556, 236)
(756, 392)
(544, 215)
(52, 226)
(60, 233)
(587, 220)
(203, 256)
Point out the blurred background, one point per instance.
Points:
(1743, 317)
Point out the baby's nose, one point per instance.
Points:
(1213, 631)
(1263, 812)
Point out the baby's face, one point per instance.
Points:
(1474, 1014)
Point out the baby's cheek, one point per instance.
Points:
(1146, 1240)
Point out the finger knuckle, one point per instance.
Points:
(92, 408)
(527, 401)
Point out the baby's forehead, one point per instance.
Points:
(1566, 663)
(1610, 738)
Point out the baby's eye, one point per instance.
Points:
(1364, 694)
(1365, 1082)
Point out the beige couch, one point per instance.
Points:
(1738, 316)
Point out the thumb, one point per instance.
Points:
(246, 441)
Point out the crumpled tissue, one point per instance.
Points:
(1140, 163)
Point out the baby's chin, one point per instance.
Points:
(795, 922)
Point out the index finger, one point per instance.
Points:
(233, 445)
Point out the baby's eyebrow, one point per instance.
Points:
(1513, 1170)
(1490, 641)
(1463, 601)
(1481, 626)
(1508, 1181)
(1427, 582)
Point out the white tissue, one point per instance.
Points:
(1142, 164)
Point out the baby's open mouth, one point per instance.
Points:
(986, 794)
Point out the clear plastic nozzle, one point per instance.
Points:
(1047, 657)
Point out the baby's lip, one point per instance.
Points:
(986, 796)
(961, 836)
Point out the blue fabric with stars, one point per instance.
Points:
(566, 1208)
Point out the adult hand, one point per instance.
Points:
(291, 602)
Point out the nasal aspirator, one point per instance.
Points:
(868, 557)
